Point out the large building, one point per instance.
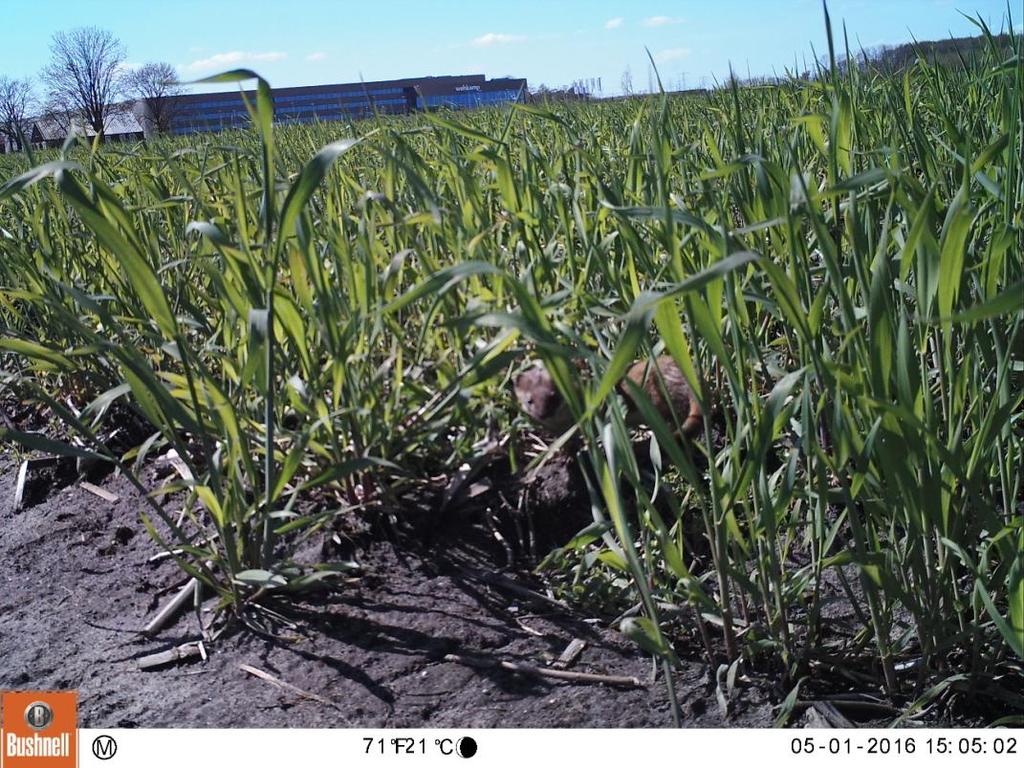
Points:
(200, 112)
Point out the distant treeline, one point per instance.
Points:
(893, 58)
(956, 51)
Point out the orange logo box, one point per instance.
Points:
(40, 729)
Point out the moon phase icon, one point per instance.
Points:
(466, 746)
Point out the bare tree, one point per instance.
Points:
(627, 82)
(156, 86)
(16, 100)
(84, 78)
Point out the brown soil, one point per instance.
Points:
(76, 585)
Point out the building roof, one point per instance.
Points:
(117, 122)
(46, 129)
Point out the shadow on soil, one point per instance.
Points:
(77, 585)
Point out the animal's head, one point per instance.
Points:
(537, 395)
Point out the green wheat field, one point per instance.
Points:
(835, 263)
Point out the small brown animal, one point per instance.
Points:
(666, 387)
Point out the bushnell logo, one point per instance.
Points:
(38, 715)
(40, 729)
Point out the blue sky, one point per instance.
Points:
(302, 42)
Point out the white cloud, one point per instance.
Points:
(234, 58)
(671, 54)
(661, 21)
(614, 23)
(495, 38)
(316, 56)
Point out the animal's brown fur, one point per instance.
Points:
(660, 379)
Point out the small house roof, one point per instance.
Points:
(119, 121)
